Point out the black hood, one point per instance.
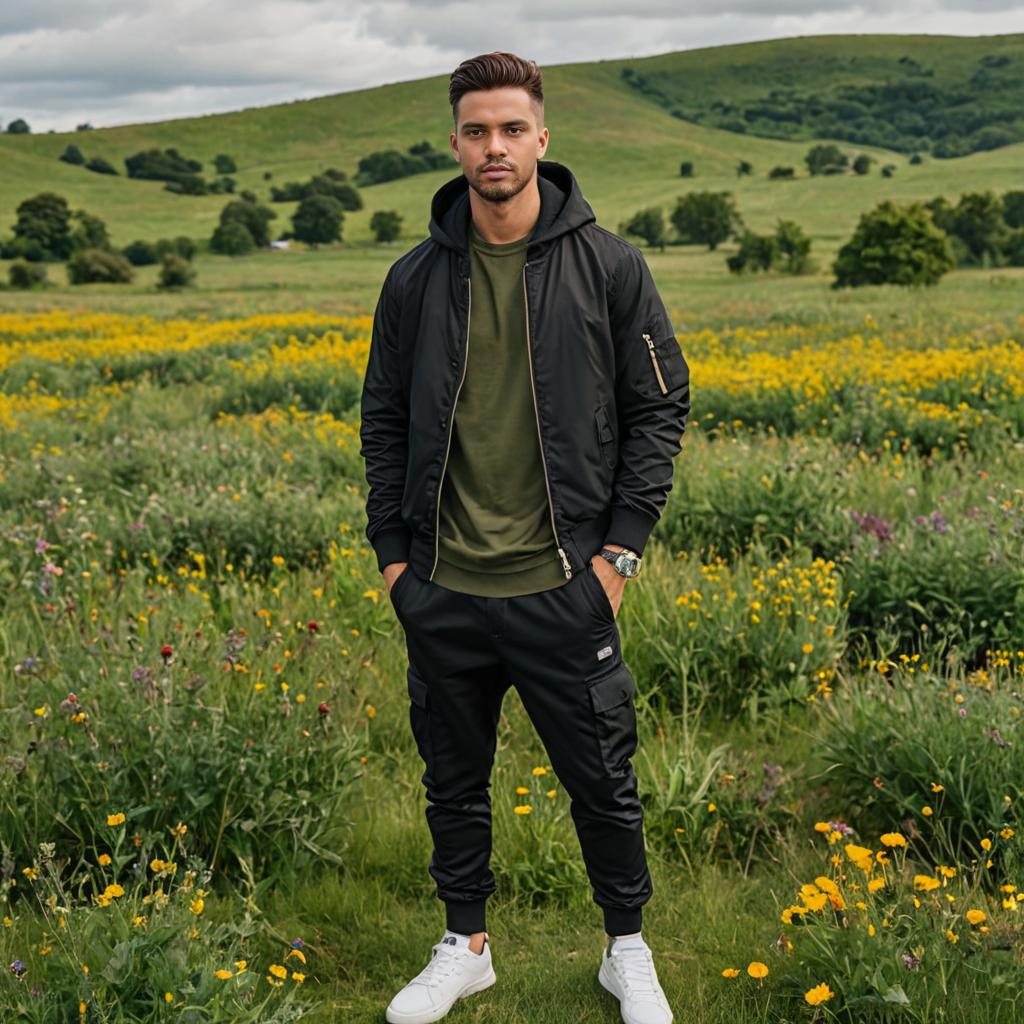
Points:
(562, 207)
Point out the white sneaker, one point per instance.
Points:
(454, 972)
(627, 971)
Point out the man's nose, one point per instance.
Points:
(495, 144)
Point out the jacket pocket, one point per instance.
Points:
(667, 363)
(611, 699)
(606, 436)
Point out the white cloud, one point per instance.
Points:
(113, 62)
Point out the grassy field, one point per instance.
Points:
(210, 798)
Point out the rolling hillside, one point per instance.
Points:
(624, 148)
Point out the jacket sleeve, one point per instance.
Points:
(384, 432)
(652, 398)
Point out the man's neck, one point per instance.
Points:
(500, 223)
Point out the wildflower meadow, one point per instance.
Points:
(210, 798)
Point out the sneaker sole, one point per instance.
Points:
(608, 984)
(397, 1017)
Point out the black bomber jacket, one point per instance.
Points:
(610, 384)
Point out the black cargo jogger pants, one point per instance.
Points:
(560, 648)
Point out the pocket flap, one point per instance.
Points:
(418, 692)
(604, 427)
(611, 690)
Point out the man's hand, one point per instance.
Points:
(393, 570)
(613, 583)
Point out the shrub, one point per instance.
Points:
(26, 275)
(231, 239)
(100, 166)
(99, 265)
(175, 272)
(72, 155)
(140, 253)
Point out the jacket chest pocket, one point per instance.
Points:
(606, 436)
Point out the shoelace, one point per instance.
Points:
(441, 965)
(636, 969)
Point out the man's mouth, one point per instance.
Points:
(497, 170)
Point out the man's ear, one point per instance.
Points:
(542, 144)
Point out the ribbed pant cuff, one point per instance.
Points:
(465, 917)
(622, 922)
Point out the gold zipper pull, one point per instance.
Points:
(654, 360)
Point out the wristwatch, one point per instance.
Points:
(625, 562)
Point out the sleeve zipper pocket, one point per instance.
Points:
(654, 360)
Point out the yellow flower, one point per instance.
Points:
(1006, 833)
(822, 826)
(807, 648)
(893, 839)
(540, 770)
(986, 843)
(223, 974)
(756, 969)
(298, 976)
(524, 809)
(104, 859)
(712, 807)
(278, 971)
(937, 788)
(115, 819)
(871, 930)
(168, 997)
(819, 994)
(730, 972)
(241, 965)
(298, 953)
(926, 811)
(952, 936)
(371, 711)
(976, 916)
(113, 890)
(875, 884)
(925, 883)
(552, 793)
(196, 906)
(522, 790)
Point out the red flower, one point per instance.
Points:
(312, 625)
(323, 708)
(166, 651)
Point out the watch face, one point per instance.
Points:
(627, 566)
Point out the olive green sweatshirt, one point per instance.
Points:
(496, 537)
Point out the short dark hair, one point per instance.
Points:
(495, 71)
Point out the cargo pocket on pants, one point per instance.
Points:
(611, 698)
(419, 717)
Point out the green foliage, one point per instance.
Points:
(19, 126)
(89, 233)
(43, 228)
(686, 169)
(26, 275)
(161, 165)
(332, 183)
(826, 158)
(894, 244)
(140, 253)
(254, 217)
(100, 165)
(88, 266)
(391, 164)
(72, 155)
(318, 220)
(706, 218)
(648, 224)
(224, 164)
(175, 272)
(386, 225)
(862, 163)
(231, 238)
(756, 252)
(787, 249)
(780, 172)
(977, 220)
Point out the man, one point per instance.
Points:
(523, 401)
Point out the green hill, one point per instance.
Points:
(624, 148)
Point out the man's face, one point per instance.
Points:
(498, 129)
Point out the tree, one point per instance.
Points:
(317, 220)
(686, 169)
(1013, 208)
(44, 220)
(19, 126)
(978, 223)
(175, 272)
(385, 225)
(894, 244)
(72, 155)
(756, 252)
(706, 217)
(27, 275)
(744, 167)
(647, 224)
(100, 166)
(781, 172)
(253, 216)
(90, 233)
(139, 253)
(92, 265)
(826, 158)
(231, 238)
(794, 247)
(224, 164)
(862, 163)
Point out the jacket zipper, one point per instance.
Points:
(657, 368)
(566, 567)
(451, 426)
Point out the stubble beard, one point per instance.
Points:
(499, 191)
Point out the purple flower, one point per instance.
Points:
(17, 968)
(297, 943)
(872, 524)
(841, 827)
(939, 522)
(42, 545)
(911, 961)
(962, 711)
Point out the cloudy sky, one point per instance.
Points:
(113, 62)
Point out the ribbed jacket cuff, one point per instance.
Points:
(628, 528)
(392, 545)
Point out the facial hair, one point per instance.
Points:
(499, 191)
